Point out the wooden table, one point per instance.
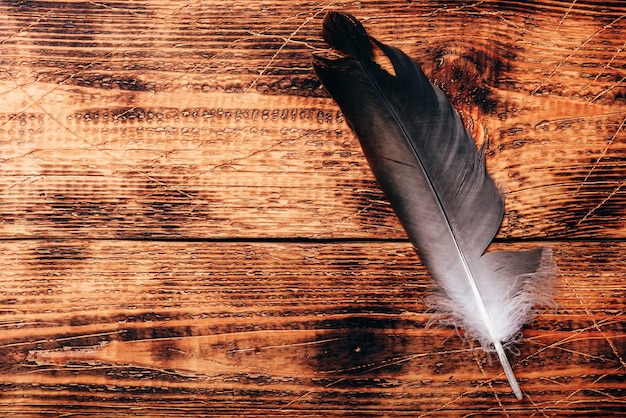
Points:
(189, 227)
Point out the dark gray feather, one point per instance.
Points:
(427, 164)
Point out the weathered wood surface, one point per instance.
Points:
(188, 226)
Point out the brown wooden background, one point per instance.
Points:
(188, 227)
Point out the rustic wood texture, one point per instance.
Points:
(188, 226)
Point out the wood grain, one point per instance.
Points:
(192, 114)
(277, 328)
(188, 226)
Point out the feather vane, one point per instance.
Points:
(427, 164)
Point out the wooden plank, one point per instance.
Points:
(205, 120)
(188, 226)
(96, 327)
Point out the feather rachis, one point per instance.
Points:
(427, 164)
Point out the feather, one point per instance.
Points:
(427, 164)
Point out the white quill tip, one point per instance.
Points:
(508, 370)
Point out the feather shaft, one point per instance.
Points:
(427, 164)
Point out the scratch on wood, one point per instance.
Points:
(131, 167)
(110, 54)
(450, 9)
(590, 389)
(567, 12)
(349, 218)
(604, 68)
(154, 93)
(479, 385)
(595, 164)
(574, 337)
(77, 337)
(488, 382)
(119, 9)
(26, 28)
(392, 362)
(232, 162)
(282, 46)
(602, 203)
(64, 355)
(270, 347)
(596, 325)
(611, 87)
(566, 59)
